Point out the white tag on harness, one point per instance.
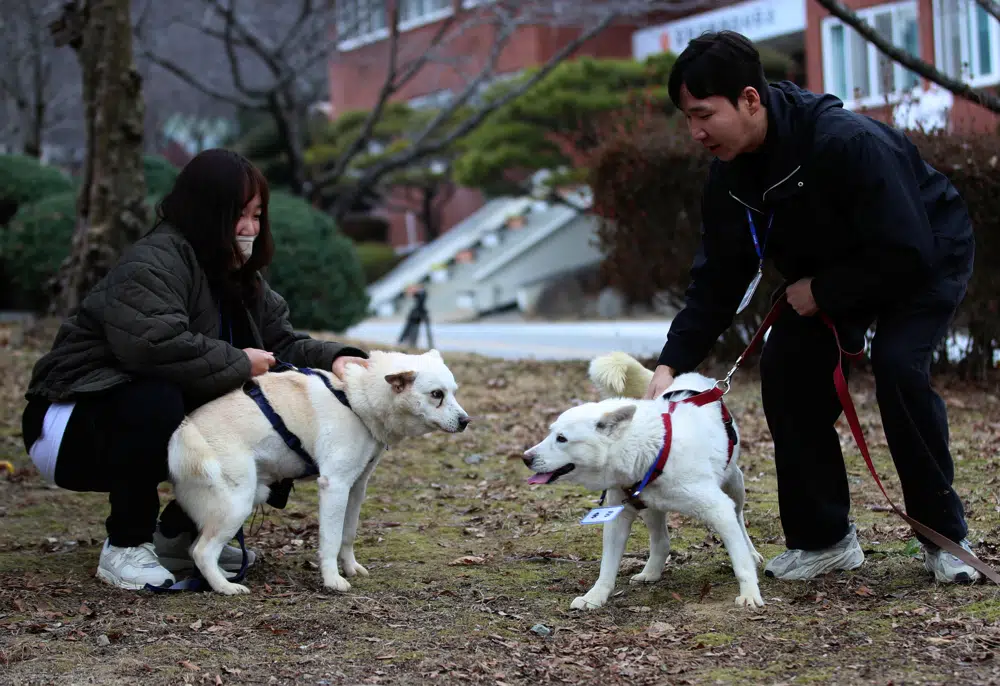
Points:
(748, 296)
(600, 515)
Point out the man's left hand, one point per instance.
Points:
(341, 363)
(800, 297)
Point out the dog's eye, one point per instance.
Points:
(560, 438)
(437, 395)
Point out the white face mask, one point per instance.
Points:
(246, 246)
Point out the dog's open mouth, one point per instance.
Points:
(549, 477)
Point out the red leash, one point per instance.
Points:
(852, 419)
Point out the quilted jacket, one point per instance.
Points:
(154, 315)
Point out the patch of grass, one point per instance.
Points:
(466, 558)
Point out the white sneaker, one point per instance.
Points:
(132, 568)
(798, 565)
(174, 554)
(947, 568)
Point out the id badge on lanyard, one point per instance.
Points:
(748, 296)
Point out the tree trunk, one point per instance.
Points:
(111, 210)
(286, 118)
(427, 214)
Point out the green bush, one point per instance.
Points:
(32, 247)
(377, 259)
(24, 180)
(160, 175)
(315, 268)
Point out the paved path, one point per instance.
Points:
(530, 340)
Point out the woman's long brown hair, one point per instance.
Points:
(205, 204)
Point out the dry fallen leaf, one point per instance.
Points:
(468, 560)
(189, 665)
(657, 629)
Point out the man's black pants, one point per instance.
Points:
(116, 443)
(801, 407)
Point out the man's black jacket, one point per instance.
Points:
(854, 206)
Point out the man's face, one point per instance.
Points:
(724, 130)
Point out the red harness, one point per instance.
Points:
(699, 400)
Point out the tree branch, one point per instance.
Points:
(421, 148)
(914, 64)
(992, 7)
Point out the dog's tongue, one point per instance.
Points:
(542, 478)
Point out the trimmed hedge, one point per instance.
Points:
(32, 247)
(24, 180)
(315, 267)
(647, 179)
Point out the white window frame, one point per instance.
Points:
(425, 13)
(371, 36)
(969, 12)
(833, 72)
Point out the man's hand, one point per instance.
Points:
(663, 378)
(800, 297)
(341, 362)
(260, 360)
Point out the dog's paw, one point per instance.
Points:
(582, 603)
(232, 589)
(750, 600)
(645, 577)
(352, 568)
(336, 583)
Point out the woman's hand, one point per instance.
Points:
(260, 360)
(341, 362)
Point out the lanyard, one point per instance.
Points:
(753, 232)
(230, 321)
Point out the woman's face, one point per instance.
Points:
(248, 226)
(249, 222)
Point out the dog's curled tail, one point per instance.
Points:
(619, 375)
(189, 455)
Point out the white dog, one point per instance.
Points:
(612, 444)
(224, 455)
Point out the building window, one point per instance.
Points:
(966, 42)
(422, 11)
(855, 70)
(360, 21)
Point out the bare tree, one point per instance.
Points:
(111, 210)
(278, 55)
(36, 83)
(979, 96)
(275, 58)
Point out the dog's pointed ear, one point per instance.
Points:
(613, 421)
(433, 352)
(400, 381)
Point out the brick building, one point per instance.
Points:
(952, 34)
(958, 37)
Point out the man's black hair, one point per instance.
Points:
(719, 63)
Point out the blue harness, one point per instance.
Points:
(197, 582)
(252, 389)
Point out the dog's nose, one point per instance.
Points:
(463, 422)
(529, 457)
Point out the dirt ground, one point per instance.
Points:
(473, 570)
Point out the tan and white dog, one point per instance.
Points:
(224, 455)
(610, 445)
